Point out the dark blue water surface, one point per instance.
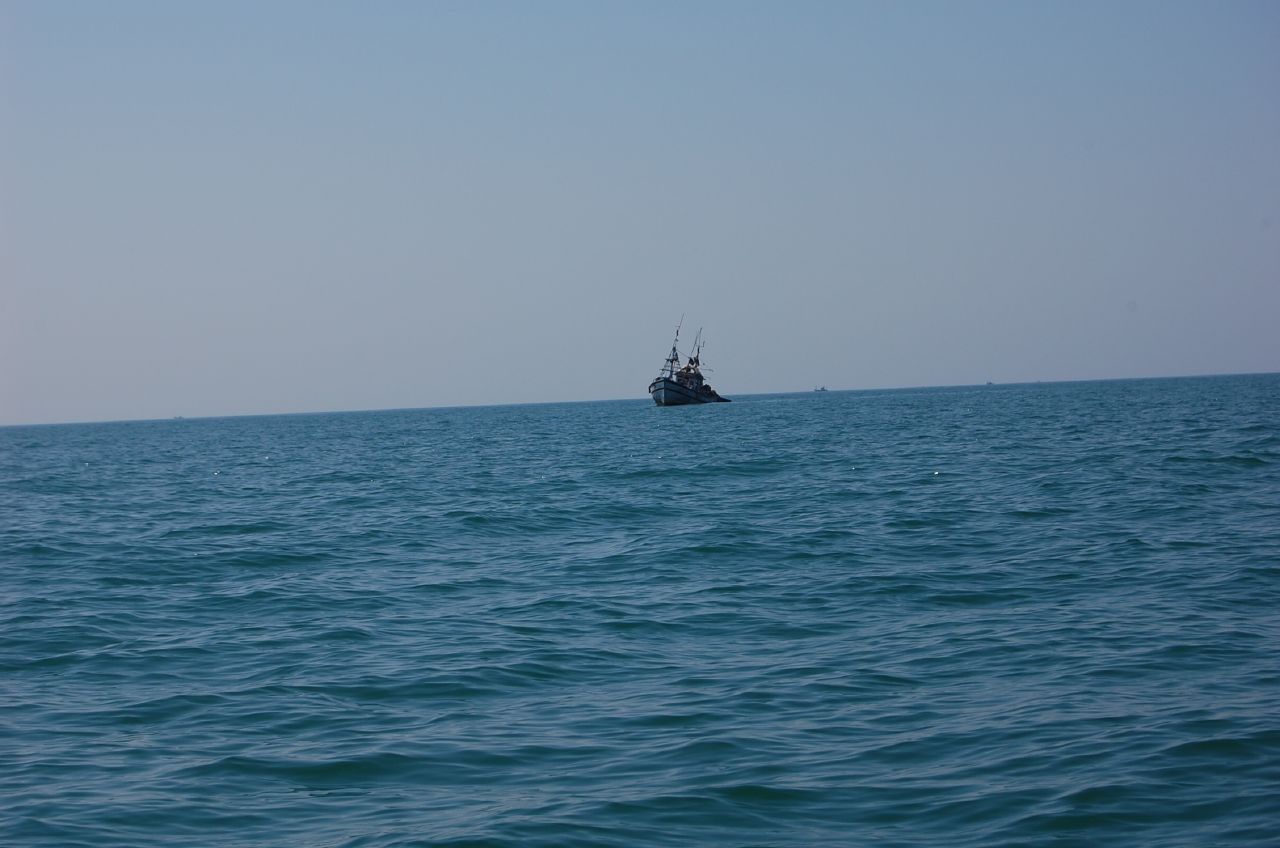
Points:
(1000, 615)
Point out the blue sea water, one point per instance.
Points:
(985, 616)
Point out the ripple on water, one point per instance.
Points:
(558, 625)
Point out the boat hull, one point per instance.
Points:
(667, 392)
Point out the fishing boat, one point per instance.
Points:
(678, 384)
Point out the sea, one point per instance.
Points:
(998, 615)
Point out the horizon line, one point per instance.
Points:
(74, 423)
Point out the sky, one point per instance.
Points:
(248, 208)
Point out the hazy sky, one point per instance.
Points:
(224, 208)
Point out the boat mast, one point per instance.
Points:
(673, 359)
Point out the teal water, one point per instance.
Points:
(990, 616)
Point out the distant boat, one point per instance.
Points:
(678, 385)
(820, 388)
